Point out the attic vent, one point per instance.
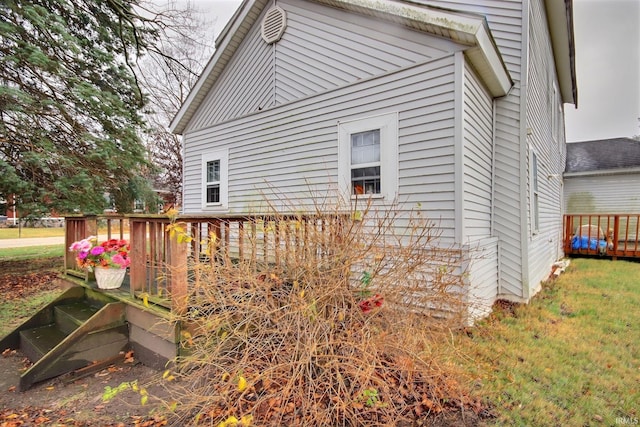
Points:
(274, 24)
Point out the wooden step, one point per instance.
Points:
(102, 336)
(70, 316)
(37, 342)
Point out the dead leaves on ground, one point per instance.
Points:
(32, 416)
(14, 286)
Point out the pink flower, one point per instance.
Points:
(97, 250)
(112, 253)
(121, 260)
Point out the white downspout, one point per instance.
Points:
(494, 121)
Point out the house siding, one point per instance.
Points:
(322, 48)
(602, 194)
(505, 19)
(483, 275)
(548, 143)
(245, 85)
(293, 149)
(477, 162)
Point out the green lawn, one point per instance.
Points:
(570, 357)
(14, 233)
(31, 252)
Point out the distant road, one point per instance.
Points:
(38, 241)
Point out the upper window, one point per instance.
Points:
(365, 162)
(555, 114)
(362, 146)
(214, 179)
(535, 196)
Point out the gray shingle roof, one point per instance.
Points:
(605, 154)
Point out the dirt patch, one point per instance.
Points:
(72, 400)
(80, 402)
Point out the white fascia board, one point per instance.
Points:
(225, 46)
(464, 28)
(603, 172)
(562, 43)
(490, 65)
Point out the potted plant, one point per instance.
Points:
(108, 260)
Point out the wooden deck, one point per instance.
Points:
(609, 235)
(163, 248)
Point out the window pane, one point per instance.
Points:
(213, 171)
(365, 180)
(213, 193)
(365, 147)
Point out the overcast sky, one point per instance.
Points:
(607, 37)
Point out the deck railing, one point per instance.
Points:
(615, 235)
(160, 259)
(78, 227)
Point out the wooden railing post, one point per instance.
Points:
(77, 228)
(616, 232)
(178, 272)
(138, 242)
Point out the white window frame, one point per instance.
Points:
(223, 157)
(555, 113)
(535, 192)
(388, 126)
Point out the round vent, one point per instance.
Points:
(274, 24)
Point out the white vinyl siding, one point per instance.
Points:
(322, 49)
(293, 149)
(482, 276)
(615, 193)
(544, 124)
(504, 18)
(478, 152)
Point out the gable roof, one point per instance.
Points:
(602, 156)
(464, 28)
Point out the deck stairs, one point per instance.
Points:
(78, 329)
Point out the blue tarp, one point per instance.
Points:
(583, 242)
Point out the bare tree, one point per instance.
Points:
(167, 76)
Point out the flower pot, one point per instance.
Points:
(109, 278)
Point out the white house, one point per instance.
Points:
(452, 105)
(602, 176)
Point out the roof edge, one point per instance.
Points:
(617, 171)
(560, 21)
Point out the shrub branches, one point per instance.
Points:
(336, 328)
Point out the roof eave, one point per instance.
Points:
(560, 21)
(226, 45)
(461, 27)
(617, 171)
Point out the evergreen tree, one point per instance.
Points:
(70, 102)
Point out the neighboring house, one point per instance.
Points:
(602, 177)
(454, 106)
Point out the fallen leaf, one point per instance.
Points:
(242, 384)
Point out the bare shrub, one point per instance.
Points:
(334, 328)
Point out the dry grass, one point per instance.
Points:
(339, 333)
